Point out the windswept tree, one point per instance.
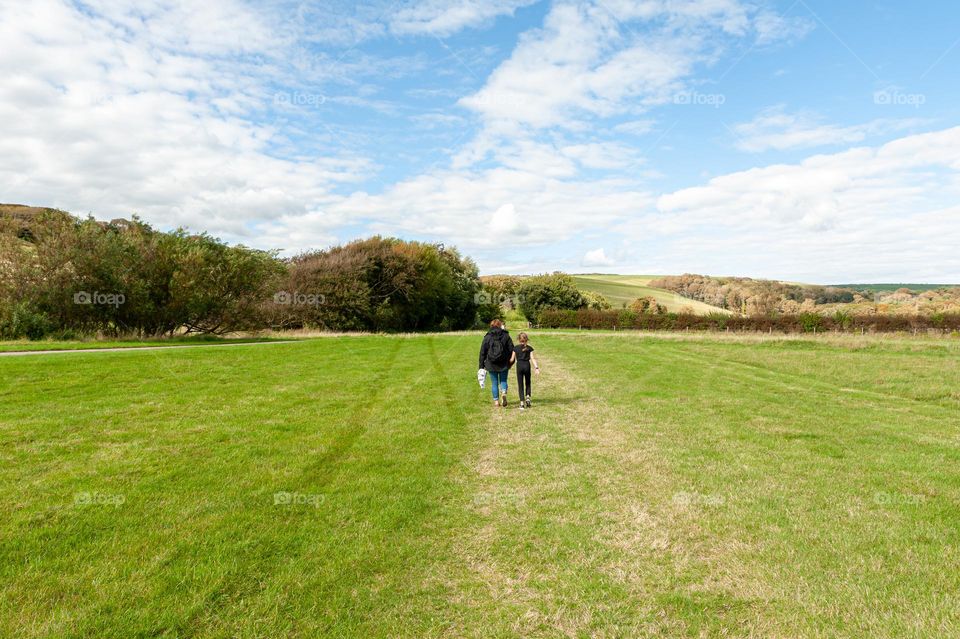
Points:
(380, 284)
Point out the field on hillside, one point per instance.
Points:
(364, 487)
(624, 289)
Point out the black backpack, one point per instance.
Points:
(497, 353)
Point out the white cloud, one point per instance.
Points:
(596, 257)
(145, 108)
(593, 61)
(505, 221)
(442, 17)
(602, 155)
(461, 206)
(635, 127)
(772, 27)
(571, 67)
(776, 129)
(864, 212)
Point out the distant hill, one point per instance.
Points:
(624, 289)
(889, 288)
(24, 221)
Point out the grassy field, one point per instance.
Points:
(364, 487)
(9, 346)
(623, 289)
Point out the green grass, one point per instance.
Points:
(668, 487)
(93, 344)
(624, 289)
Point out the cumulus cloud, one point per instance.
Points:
(569, 67)
(505, 221)
(867, 211)
(596, 257)
(459, 206)
(145, 108)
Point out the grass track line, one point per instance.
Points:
(114, 349)
(319, 473)
(809, 384)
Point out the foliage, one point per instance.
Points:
(595, 301)
(125, 277)
(554, 291)
(750, 296)
(648, 305)
(59, 273)
(380, 284)
(502, 290)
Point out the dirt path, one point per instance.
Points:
(561, 540)
(583, 529)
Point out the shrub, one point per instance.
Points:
(647, 305)
(595, 301)
(554, 291)
(382, 284)
(811, 322)
(19, 320)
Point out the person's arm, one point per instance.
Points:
(483, 353)
(536, 366)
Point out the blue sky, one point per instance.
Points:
(804, 140)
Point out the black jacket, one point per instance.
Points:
(507, 343)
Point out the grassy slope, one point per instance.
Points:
(668, 487)
(623, 289)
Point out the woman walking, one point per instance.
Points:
(496, 357)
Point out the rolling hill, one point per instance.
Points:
(623, 289)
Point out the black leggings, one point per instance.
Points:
(523, 381)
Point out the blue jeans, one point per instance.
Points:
(498, 383)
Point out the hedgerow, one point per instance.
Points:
(803, 323)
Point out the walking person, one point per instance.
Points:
(523, 354)
(496, 357)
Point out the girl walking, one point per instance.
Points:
(523, 354)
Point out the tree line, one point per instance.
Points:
(63, 276)
(749, 296)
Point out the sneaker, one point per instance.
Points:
(528, 401)
(503, 400)
(521, 406)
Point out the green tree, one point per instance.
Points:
(554, 291)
